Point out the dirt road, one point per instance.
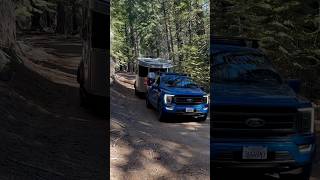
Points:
(144, 148)
(44, 132)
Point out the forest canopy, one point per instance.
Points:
(288, 31)
(177, 30)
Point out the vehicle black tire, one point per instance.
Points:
(161, 116)
(218, 174)
(148, 102)
(80, 73)
(83, 97)
(304, 175)
(135, 90)
(202, 119)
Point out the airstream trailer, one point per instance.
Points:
(147, 65)
(94, 67)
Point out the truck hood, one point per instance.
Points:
(184, 91)
(255, 94)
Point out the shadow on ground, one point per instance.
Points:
(45, 134)
(155, 149)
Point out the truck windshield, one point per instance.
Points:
(244, 67)
(157, 70)
(178, 82)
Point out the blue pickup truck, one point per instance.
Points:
(258, 120)
(174, 94)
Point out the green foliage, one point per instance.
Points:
(177, 30)
(288, 30)
(25, 8)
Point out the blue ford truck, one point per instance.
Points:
(174, 94)
(258, 120)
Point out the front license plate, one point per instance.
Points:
(189, 109)
(254, 152)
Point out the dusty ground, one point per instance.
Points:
(44, 132)
(144, 148)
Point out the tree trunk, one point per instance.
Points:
(199, 19)
(35, 18)
(7, 24)
(60, 18)
(35, 21)
(190, 23)
(166, 28)
(171, 40)
(178, 32)
(75, 24)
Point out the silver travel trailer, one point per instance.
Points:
(94, 68)
(147, 65)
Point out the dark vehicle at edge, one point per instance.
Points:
(258, 120)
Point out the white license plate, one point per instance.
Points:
(189, 109)
(254, 152)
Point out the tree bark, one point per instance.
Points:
(178, 31)
(166, 28)
(60, 18)
(199, 19)
(75, 24)
(7, 24)
(35, 18)
(190, 23)
(171, 40)
(35, 21)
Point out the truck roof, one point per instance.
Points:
(173, 74)
(221, 44)
(216, 49)
(155, 62)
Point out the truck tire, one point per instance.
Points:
(304, 175)
(161, 116)
(148, 102)
(135, 90)
(80, 73)
(202, 119)
(84, 99)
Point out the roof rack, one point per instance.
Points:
(235, 41)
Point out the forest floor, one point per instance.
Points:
(144, 148)
(44, 133)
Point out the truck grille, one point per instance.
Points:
(237, 156)
(188, 100)
(253, 121)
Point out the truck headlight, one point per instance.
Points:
(305, 121)
(206, 99)
(168, 98)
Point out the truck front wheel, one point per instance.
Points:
(161, 115)
(83, 97)
(304, 175)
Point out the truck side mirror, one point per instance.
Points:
(294, 84)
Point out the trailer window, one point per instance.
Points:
(100, 30)
(143, 71)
